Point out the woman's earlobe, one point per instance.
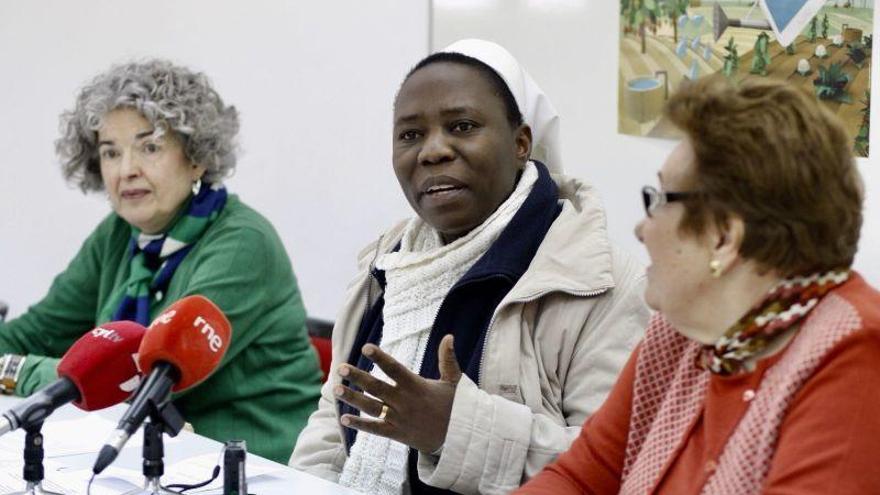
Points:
(730, 238)
(524, 142)
(200, 171)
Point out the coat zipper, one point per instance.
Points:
(368, 294)
(370, 277)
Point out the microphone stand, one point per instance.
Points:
(164, 418)
(33, 471)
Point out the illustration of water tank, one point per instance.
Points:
(643, 97)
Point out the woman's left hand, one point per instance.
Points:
(418, 409)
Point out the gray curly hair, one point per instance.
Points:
(170, 97)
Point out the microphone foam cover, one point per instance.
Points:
(102, 364)
(192, 334)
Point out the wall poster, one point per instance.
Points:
(824, 46)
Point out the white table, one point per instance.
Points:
(280, 480)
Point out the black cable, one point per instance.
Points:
(182, 487)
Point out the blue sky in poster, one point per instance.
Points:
(783, 11)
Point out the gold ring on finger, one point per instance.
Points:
(384, 411)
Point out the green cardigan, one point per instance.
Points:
(269, 381)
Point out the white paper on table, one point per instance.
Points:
(10, 455)
(12, 482)
(59, 439)
(112, 481)
(199, 468)
(11, 478)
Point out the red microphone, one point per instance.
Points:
(97, 371)
(192, 335)
(183, 346)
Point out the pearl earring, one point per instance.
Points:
(715, 268)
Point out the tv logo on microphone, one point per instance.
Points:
(104, 333)
(165, 318)
(215, 343)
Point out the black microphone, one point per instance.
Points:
(156, 389)
(184, 345)
(36, 408)
(96, 372)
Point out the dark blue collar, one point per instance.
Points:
(510, 255)
(468, 307)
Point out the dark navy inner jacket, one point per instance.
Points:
(468, 307)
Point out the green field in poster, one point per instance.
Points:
(664, 42)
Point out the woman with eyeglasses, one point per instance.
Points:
(759, 373)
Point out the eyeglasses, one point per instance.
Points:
(654, 199)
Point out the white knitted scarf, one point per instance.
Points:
(418, 277)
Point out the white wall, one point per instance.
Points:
(570, 47)
(314, 83)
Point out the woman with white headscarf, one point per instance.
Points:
(479, 334)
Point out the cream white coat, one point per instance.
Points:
(553, 350)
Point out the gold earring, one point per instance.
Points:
(715, 268)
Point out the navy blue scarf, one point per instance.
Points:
(153, 265)
(468, 307)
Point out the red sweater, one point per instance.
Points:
(826, 437)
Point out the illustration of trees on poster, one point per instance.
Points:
(823, 46)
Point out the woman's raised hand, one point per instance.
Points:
(414, 411)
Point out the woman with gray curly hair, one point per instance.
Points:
(158, 139)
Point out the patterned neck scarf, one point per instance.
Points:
(154, 258)
(785, 305)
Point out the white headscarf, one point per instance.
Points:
(534, 105)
